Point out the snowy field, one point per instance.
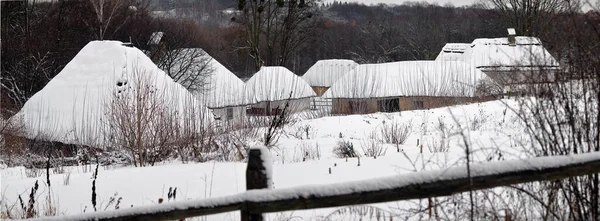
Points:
(438, 138)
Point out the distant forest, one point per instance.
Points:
(39, 39)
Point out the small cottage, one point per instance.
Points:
(512, 59)
(271, 88)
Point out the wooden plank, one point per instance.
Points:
(256, 178)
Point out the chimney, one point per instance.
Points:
(511, 37)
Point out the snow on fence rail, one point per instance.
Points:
(253, 203)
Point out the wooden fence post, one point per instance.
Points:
(256, 178)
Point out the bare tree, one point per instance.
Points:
(190, 67)
(181, 57)
(280, 27)
(563, 118)
(378, 43)
(530, 17)
(110, 14)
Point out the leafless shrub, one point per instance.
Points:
(477, 121)
(394, 132)
(372, 148)
(488, 87)
(11, 139)
(344, 149)
(67, 178)
(33, 172)
(150, 122)
(361, 212)
(306, 151)
(303, 132)
(276, 124)
(438, 145)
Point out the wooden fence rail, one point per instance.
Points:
(418, 185)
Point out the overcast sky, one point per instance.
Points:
(399, 2)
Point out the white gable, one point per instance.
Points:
(325, 72)
(452, 52)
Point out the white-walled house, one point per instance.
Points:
(271, 88)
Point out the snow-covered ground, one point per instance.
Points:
(490, 130)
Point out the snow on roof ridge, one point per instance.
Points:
(272, 83)
(325, 72)
(520, 40)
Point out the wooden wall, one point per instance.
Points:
(346, 106)
(320, 90)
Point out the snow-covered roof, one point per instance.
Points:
(155, 38)
(73, 106)
(224, 88)
(452, 52)
(325, 72)
(519, 40)
(276, 83)
(497, 53)
(221, 88)
(408, 78)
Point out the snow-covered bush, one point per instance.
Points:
(344, 149)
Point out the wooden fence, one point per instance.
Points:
(258, 200)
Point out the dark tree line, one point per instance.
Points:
(39, 39)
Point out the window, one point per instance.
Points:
(229, 113)
(418, 105)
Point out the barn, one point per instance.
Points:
(405, 85)
(271, 88)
